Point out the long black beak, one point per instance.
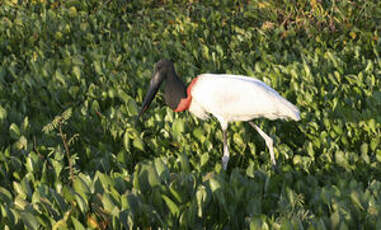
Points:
(152, 90)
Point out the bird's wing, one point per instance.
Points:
(236, 97)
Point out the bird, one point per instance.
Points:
(227, 97)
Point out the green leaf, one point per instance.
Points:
(374, 143)
(355, 197)
(184, 162)
(81, 187)
(72, 11)
(82, 203)
(239, 141)
(205, 52)
(126, 141)
(77, 72)
(202, 198)
(95, 106)
(62, 223)
(132, 107)
(178, 126)
(122, 95)
(3, 113)
(77, 224)
(14, 131)
(199, 134)
(153, 177)
(138, 143)
(372, 125)
(5, 196)
(171, 205)
(341, 160)
(57, 166)
(378, 155)
(204, 159)
(338, 129)
(335, 220)
(29, 164)
(19, 189)
(59, 76)
(161, 168)
(109, 206)
(214, 184)
(297, 160)
(364, 148)
(97, 67)
(258, 222)
(29, 220)
(22, 143)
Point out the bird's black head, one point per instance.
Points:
(164, 66)
(163, 69)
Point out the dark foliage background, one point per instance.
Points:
(73, 73)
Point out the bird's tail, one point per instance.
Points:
(289, 110)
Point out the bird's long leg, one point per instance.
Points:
(225, 157)
(268, 140)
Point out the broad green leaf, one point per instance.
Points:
(356, 199)
(5, 196)
(19, 189)
(72, 11)
(81, 187)
(77, 224)
(20, 202)
(126, 141)
(202, 199)
(184, 162)
(161, 168)
(57, 166)
(199, 134)
(364, 148)
(138, 143)
(372, 125)
(106, 180)
(153, 177)
(59, 76)
(109, 206)
(171, 205)
(92, 222)
(77, 72)
(22, 143)
(25, 124)
(204, 159)
(14, 131)
(29, 220)
(62, 223)
(374, 143)
(81, 202)
(97, 67)
(214, 184)
(178, 126)
(132, 107)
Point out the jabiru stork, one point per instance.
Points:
(227, 97)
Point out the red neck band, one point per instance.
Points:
(185, 102)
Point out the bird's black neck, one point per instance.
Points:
(174, 90)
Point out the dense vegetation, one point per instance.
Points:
(73, 74)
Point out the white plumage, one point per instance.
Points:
(239, 98)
